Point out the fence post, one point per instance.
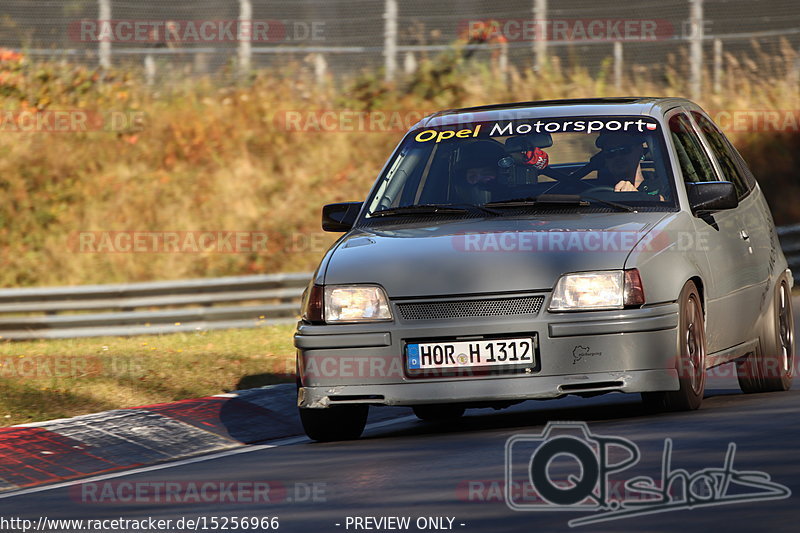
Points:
(150, 69)
(502, 62)
(410, 63)
(618, 65)
(320, 69)
(104, 47)
(390, 39)
(696, 47)
(717, 66)
(541, 35)
(244, 36)
(200, 63)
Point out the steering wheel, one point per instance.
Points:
(595, 163)
(571, 180)
(575, 177)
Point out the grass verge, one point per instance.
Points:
(43, 380)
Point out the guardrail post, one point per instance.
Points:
(390, 40)
(695, 47)
(104, 46)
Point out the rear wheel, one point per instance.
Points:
(341, 422)
(691, 359)
(771, 368)
(438, 412)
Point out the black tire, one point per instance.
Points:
(771, 368)
(691, 358)
(438, 412)
(341, 422)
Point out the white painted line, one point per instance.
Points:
(152, 468)
(191, 460)
(391, 422)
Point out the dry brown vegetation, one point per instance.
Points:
(211, 157)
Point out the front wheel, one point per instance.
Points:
(341, 422)
(691, 359)
(771, 367)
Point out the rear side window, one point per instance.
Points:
(695, 163)
(725, 154)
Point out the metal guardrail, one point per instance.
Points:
(150, 308)
(176, 306)
(790, 242)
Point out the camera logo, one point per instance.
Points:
(568, 468)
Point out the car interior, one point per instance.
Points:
(575, 165)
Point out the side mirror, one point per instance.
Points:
(709, 196)
(340, 217)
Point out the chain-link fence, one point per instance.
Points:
(342, 37)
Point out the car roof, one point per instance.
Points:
(632, 105)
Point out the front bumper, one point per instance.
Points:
(630, 350)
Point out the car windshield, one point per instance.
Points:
(613, 163)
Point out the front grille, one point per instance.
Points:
(526, 305)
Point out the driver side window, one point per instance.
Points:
(694, 161)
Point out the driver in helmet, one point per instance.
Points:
(621, 155)
(476, 173)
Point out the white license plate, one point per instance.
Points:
(471, 354)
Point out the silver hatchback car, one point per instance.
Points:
(534, 250)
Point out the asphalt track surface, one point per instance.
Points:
(414, 469)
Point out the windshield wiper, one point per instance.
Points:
(621, 207)
(474, 207)
(559, 200)
(420, 209)
(433, 209)
(542, 200)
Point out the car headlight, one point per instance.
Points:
(583, 291)
(356, 303)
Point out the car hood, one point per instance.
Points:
(485, 255)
